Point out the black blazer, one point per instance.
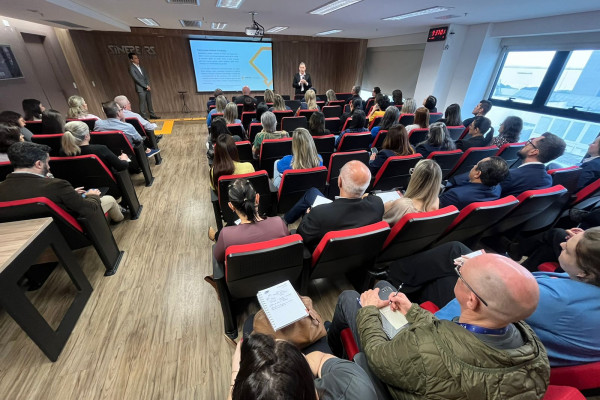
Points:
(296, 83)
(19, 186)
(340, 214)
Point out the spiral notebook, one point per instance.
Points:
(282, 305)
(392, 321)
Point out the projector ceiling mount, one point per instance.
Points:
(256, 29)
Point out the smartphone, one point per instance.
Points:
(373, 150)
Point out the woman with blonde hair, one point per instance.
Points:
(330, 96)
(279, 104)
(304, 155)
(409, 106)
(78, 109)
(310, 101)
(220, 104)
(269, 96)
(76, 141)
(231, 116)
(421, 120)
(421, 194)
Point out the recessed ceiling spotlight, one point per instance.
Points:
(333, 6)
(426, 11)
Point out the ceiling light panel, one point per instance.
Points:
(276, 29)
(426, 11)
(229, 3)
(218, 25)
(331, 32)
(333, 6)
(148, 21)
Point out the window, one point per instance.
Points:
(521, 75)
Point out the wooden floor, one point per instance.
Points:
(155, 329)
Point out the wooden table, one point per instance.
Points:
(21, 243)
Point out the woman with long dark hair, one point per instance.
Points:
(421, 120)
(227, 161)
(452, 116)
(14, 118)
(390, 117)
(509, 131)
(33, 109)
(52, 122)
(356, 124)
(316, 124)
(395, 144)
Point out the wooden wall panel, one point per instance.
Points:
(333, 63)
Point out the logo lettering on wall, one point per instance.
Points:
(115, 50)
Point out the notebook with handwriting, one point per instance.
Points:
(282, 305)
(392, 321)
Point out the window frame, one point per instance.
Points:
(538, 105)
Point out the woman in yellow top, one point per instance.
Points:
(227, 161)
(381, 104)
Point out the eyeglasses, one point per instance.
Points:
(457, 269)
(531, 143)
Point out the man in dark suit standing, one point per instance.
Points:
(142, 86)
(349, 210)
(531, 174)
(302, 81)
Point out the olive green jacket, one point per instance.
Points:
(435, 359)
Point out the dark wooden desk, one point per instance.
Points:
(21, 243)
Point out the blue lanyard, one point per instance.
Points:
(482, 330)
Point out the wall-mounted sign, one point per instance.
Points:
(437, 34)
(115, 50)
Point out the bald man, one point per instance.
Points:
(245, 93)
(487, 352)
(349, 210)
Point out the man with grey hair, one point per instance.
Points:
(356, 95)
(349, 210)
(149, 127)
(269, 125)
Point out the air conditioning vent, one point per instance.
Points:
(188, 2)
(449, 16)
(67, 24)
(190, 23)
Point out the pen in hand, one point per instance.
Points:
(396, 294)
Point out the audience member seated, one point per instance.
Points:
(430, 103)
(531, 174)
(245, 95)
(357, 124)
(395, 144)
(378, 109)
(231, 115)
(590, 166)
(355, 95)
(310, 102)
(30, 179)
(355, 105)
(409, 106)
(421, 194)
(243, 200)
(33, 109)
(479, 127)
(509, 131)
(125, 104)
(438, 139)
(14, 118)
(78, 108)
(316, 124)
(421, 119)
(451, 116)
(76, 141)
(397, 97)
(211, 102)
(482, 185)
(488, 352)
(220, 104)
(567, 318)
(265, 368)
(9, 134)
(304, 155)
(279, 104)
(115, 122)
(390, 117)
(227, 161)
(269, 124)
(349, 210)
(249, 105)
(52, 122)
(260, 109)
(482, 108)
(330, 94)
(269, 96)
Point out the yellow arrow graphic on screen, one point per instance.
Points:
(265, 78)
